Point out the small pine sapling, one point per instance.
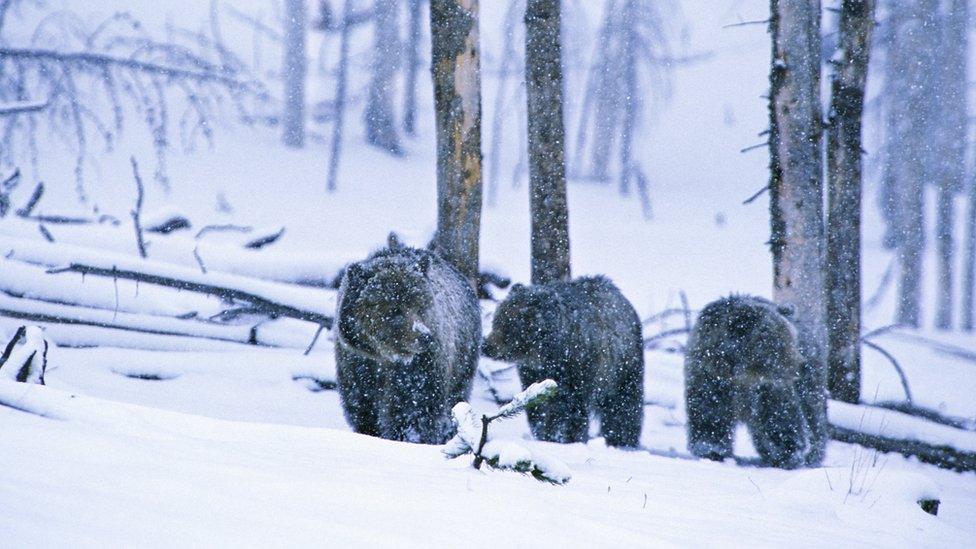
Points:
(472, 438)
(25, 357)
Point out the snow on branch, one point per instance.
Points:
(22, 107)
(473, 438)
(109, 72)
(25, 357)
(92, 60)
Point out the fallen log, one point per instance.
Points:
(260, 303)
(887, 430)
(940, 455)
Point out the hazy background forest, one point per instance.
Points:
(248, 150)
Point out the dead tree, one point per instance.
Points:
(381, 128)
(547, 142)
(843, 272)
(415, 13)
(951, 131)
(342, 78)
(457, 105)
(969, 263)
(294, 69)
(98, 78)
(907, 102)
(796, 196)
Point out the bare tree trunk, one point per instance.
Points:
(295, 67)
(969, 267)
(414, 11)
(944, 223)
(910, 151)
(608, 94)
(340, 97)
(381, 128)
(631, 97)
(457, 106)
(951, 130)
(547, 142)
(796, 196)
(843, 273)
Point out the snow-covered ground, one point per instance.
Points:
(154, 440)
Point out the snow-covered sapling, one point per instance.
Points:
(473, 438)
(25, 357)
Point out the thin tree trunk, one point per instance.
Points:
(912, 151)
(944, 223)
(415, 11)
(340, 97)
(969, 267)
(295, 67)
(951, 129)
(630, 97)
(509, 57)
(796, 196)
(457, 106)
(547, 142)
(843, 273)
(381, 128)
(608, 115)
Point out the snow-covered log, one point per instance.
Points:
(272, 298)
(891, 431)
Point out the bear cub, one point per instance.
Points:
(408, 331)
(586, 336)
(742, 364)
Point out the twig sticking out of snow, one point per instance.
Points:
(472, 438)
(137, 211)
(25, 357)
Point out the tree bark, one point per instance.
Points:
(457, 106)
(844, 173)
(381, 128)
(295, 67)
(547, 142)
(796, 196)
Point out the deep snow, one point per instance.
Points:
(238, 445)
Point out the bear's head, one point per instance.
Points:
(517, 326)
(383, 308)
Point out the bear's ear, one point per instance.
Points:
(423, 265)
(393, 241)
(517, 287)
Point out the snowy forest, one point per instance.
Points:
(511, 272)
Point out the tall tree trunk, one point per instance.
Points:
(910, 153)
(457, 106)
(796, 196)
(414, 12)
(631, 97)
(294, 68)
(843, 273)
(547, 142)
(951, 130)
(969, 267)
(340, 97)
(381, 128)
(944, 225)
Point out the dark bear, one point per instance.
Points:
(407, 340)
(586, 336)
(742, 364)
